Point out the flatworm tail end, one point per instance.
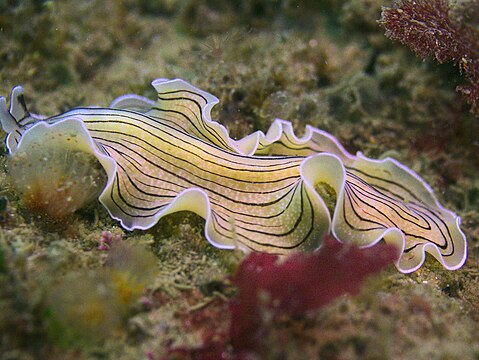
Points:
(385, 199)
(379, 199)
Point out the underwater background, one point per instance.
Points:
(166, 292)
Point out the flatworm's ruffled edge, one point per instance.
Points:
(393, 236)
(248, 145)
(396, 236)
(258, 141)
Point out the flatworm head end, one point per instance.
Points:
(55, 167)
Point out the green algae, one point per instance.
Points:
(328, 194)
(338, 72)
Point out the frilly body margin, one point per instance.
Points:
(252, 144)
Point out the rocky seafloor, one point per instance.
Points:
(325, 63)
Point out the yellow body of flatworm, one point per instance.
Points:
(261, 192)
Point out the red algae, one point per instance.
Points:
(428, 29)
(302, 283)
(270, 289)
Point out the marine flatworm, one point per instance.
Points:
(261, 192)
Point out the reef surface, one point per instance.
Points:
(84, 288)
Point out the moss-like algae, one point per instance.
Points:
(327, 193)
(325, 63)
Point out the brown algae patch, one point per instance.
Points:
(328, 194)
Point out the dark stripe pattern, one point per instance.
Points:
(261, 202)
(256, 202)
(379, 196)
